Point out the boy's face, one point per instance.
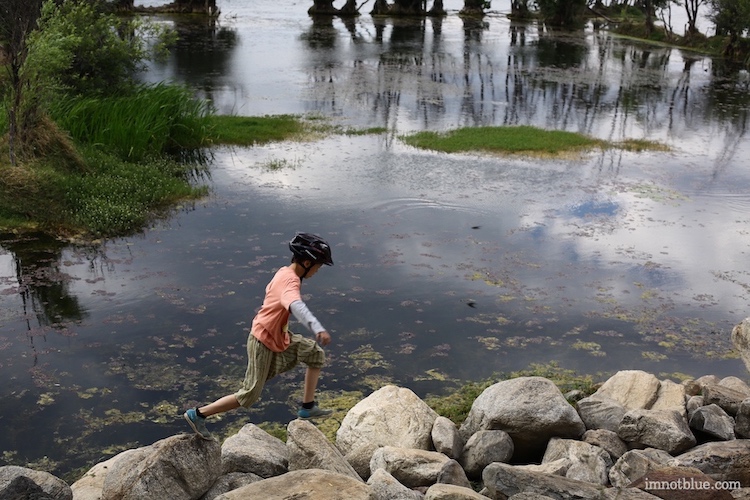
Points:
(313, 269)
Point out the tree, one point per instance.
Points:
(732, 19)
(691, 9)
(17, 19)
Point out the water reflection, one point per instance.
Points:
(42, 285)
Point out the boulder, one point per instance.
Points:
(607, 440)
(385, 487)
(693, 403)
(446, 438)
(681, 483)
(89, 486)
(178, 467)
(530, 409)
(713, 421)
(741, 341)
(359, 458)
(411, 467)
(742, 420)
(632, 389)
(663, 429)
(229, 482)
(722, 460)
(22, 483)
(503, 480)
(635, 464)
(483, 448)
(729, 399)
(670, 396)
(452, 473)
(255, 451)
(309, 484)
(452, 492)
(390, 416)
(737, 384)
(586, 462)
(599, 412)
(310, 449)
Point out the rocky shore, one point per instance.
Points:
(636, 437)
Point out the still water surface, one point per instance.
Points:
(448, 267)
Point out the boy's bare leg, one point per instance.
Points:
(311, 383)
(220, 405)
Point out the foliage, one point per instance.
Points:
(152, 120)
(732, 18)
(85, 51)
(562, 12)
(113, 197)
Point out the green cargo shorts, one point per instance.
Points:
(263, 364)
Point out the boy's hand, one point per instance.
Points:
(323, 338)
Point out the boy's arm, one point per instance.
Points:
(307, 318)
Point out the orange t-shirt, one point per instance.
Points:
(270, 325)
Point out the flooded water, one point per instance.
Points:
(448, 267)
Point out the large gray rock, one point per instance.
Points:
(359, 458)
(386, 487)
(670, 396)
(607, 440)
(20, 482)
(446, 438)
(586, 462)
(452, 473)
(742, 420)
(635, 464)
(502, 481)
(411, 467)
(714, 421)
(178, 467)
(228, 482)
(737, 384)
(727, 398)
(632, 389)
(531, 409)
(254, 450)
(390, 416)
(599, 412)
(483, 448)
(310, 449)
(662, 429)
(741, 341)
(722, 460)
(89, 486)
(308, 484)
(452, 492)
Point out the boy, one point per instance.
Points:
(271, 348)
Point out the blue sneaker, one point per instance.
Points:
(197, 423)
(313, 412)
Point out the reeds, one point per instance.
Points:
(155, 119)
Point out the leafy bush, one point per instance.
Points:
(85, 51)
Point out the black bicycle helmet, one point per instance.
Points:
(307, 246)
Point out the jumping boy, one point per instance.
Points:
(271, 348)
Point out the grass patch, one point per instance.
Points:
(252, 130)
(517, 139)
